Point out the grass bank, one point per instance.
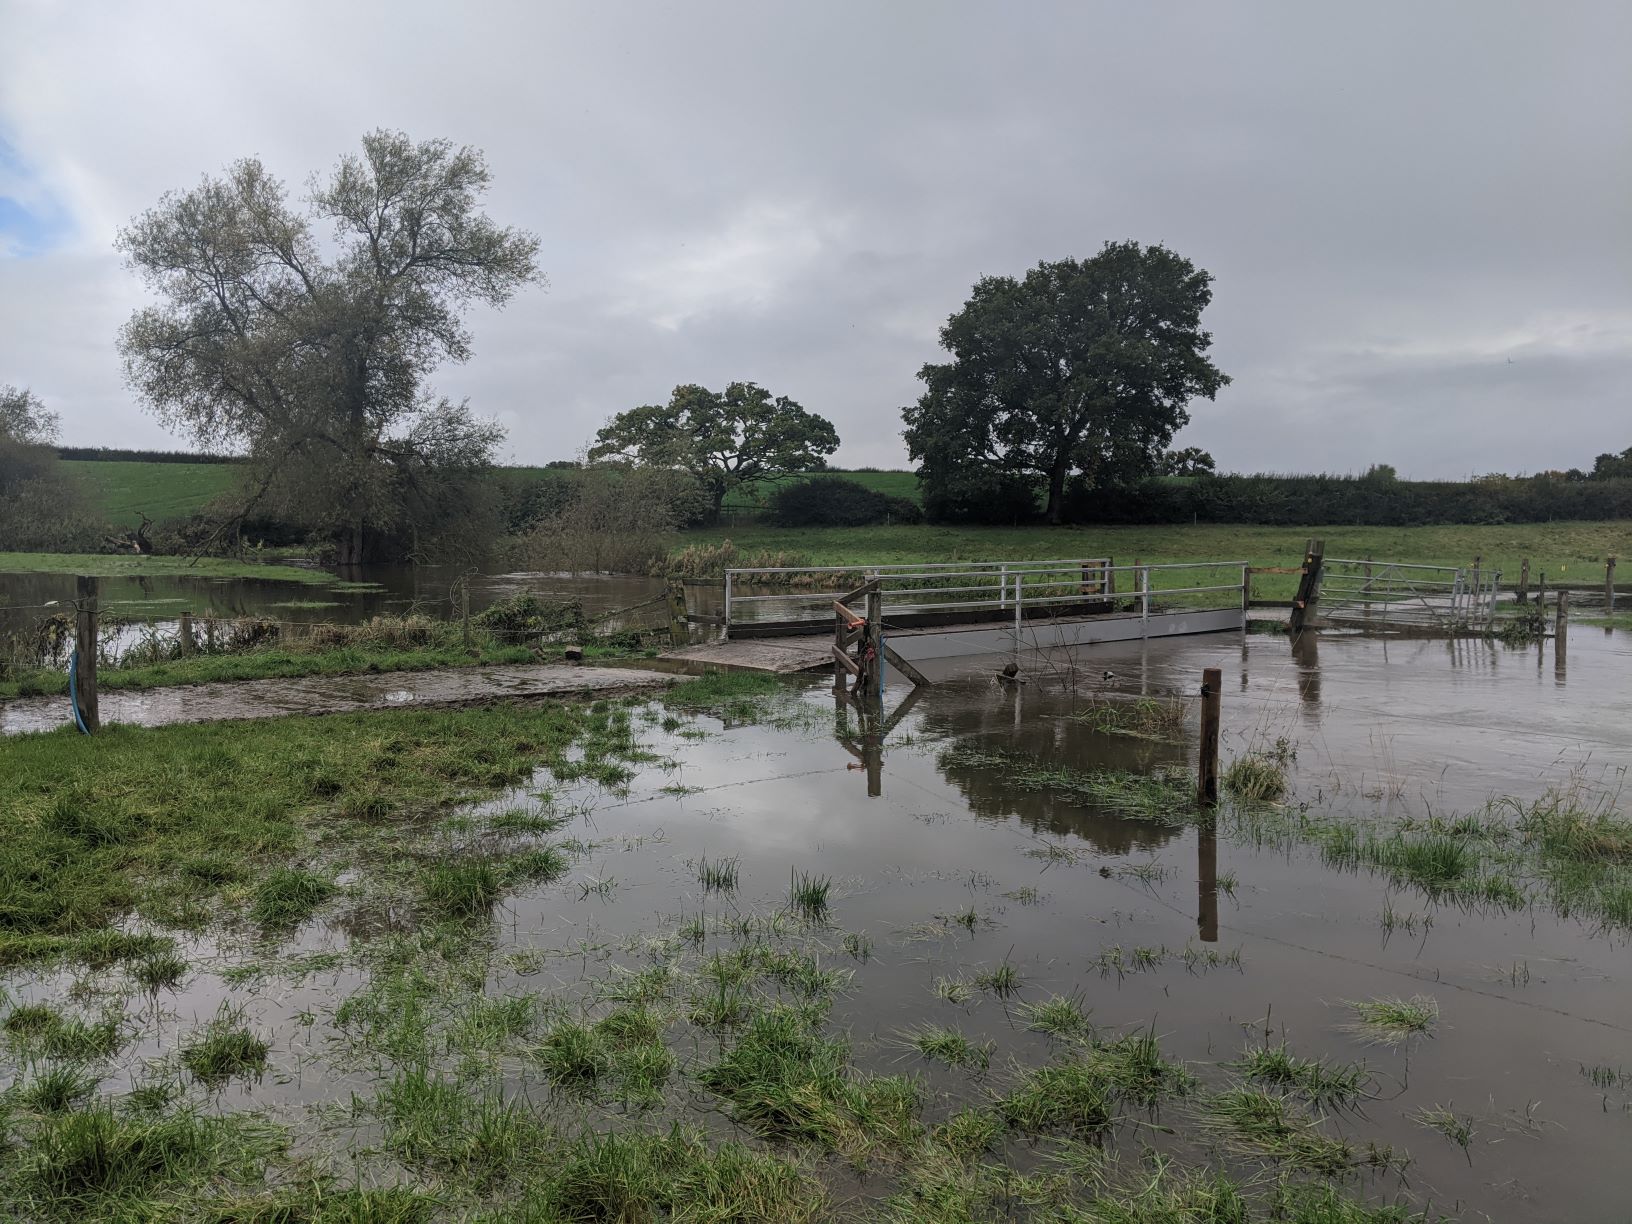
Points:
(129, 565)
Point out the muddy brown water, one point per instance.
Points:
(1527, 1000)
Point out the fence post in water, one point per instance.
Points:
(1303, 605)
(677, 612)
(725, 634)
(1561, 625)
(1246, 593)
(1212, 692)
(1609, 584)
(1541, 591)
(1524, 580)
(873, 666)
(85, 648)
(184, 634)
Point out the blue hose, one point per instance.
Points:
(73, 692)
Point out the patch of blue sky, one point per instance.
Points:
(31, 219)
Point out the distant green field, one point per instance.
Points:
(123, 490)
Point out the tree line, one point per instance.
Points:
(300, 335)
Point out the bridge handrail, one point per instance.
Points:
(999, 585)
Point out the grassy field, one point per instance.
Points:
(122, 490)
(1570, 553)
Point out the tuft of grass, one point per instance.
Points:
(160, 969)
(808, 895)
(672, 1175)
(289, 895)
(55, 1089)
(1316, 1081)
(949, 1046)
(1081, 1096)
(1253, 1122)
(435, 1123)
(1256, 777)
(463, 889)
(41, 1030)
(93, 1163)
(788, 1082)
(225, 1047)
(527, 821)
(1001, 981)
(718, 876)
(1163, 796)
(1393, 1021)
(1455, 1127)
(575, 1056)
(1060, 1016)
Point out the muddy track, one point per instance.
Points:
(441, 689)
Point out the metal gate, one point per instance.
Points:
(1393, 595)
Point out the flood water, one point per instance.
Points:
(362, 592)
(1528, 1001)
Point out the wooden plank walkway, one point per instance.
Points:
(783, 656)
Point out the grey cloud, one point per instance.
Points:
(1394, 199)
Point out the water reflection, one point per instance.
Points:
(1207, 882)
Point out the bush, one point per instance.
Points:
(615, 520)
(833, 501)
(980, 496)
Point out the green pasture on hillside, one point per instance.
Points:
(122, 490)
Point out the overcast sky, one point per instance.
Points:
(1419, 215)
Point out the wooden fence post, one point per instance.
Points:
(85, 645)
(1561, 625)
(1541, 590)
(1524, 580)
(679, 633)
(1303, 605)
(1609, 584)
(464, 608)
(185, 635)
(1212, 685)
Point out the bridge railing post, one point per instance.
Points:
(727, 633)
(1144, 601)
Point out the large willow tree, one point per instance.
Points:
(304, 335)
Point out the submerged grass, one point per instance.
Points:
(1393, 1021)
(1166, 796)
(201, 809)
(1317, 1081)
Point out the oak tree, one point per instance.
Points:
(725, 439)
(1082, 367)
